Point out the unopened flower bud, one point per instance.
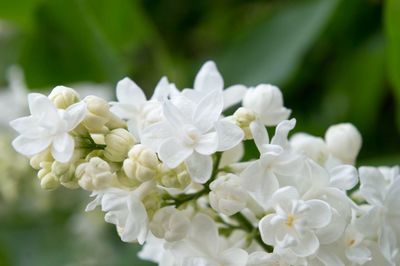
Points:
(62, 97)
(125, 181)
(344, 142)
(313, 147)
(267, 102)
(64, 171)
(170, 224)
(242, 118)
(49, 182)
(95, 174)
(178, 177)
(44, 156)
(142, 163)
(98, 114)
(45, 168)
(118, 142)
(227, 196)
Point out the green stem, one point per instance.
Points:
(253, 231)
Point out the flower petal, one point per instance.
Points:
(372, 186)
(130, 93)
(43, 110)
(75, 114)
(27, 126)
(208, 78)
(174, 116)
(204, 234)
(173, 153)
(281, 133)
(229, 135)
(233, 95)
(162, 90)
(208, 111)
(30, 147)
(319, 213)
(260, 135)
(308, 244)
(154, 135)
(199, 167)
(63, 147)
(344, 177)
(207, 144)
(234, 256)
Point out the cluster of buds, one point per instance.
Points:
(169, 173)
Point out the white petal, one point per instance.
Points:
(344, 177)
(208, 78)
(283, 195)
(260, 135)
(274, 117)
(63, 147)
(388, 243)
(207, 144)
(319, 214)
(30, 147)
(282, 131)
(43, 109)
(75, 114)
(233, 155)
(208, 111)
(162, 89)
(199, 167)
(173, 153)
(130, 93)
(234, 257)
(229, 135)
(27, 126)
(233, 95)
(267, 230)
(359, 254)
(372, 185)
(174, 115)
(204, 234)
(308, 245)
(136, 224)
(153, 136)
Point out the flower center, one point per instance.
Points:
(191, 135)
(290, 220)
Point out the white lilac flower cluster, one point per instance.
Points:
(168, 173)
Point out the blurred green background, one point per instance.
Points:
(335, 61)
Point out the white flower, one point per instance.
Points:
(207, 80)
(133, 106)
(170, 224)
(381, 189)
(344, 142)
(227, 196)
(47, 126)
(191, 133)
(125, 209)
(203, 246)
(294, 223)
(276, 160)
(267, 102)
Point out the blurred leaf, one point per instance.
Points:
(273, 49)
(76, 40)
(392, 27)
(355, 87)
(19, 12)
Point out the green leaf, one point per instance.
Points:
(392, 30)
(272, 50)
(355, 87)
(20, 12)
